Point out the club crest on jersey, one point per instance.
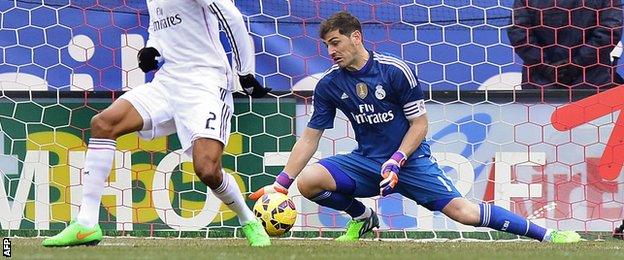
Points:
(362, 90)
(380, 93)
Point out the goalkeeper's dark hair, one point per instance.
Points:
(344, 22)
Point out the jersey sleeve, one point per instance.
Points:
(324, 110)
(152, 40)
(406, 83)
(231, 20)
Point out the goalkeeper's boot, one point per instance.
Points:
(564, 237)
(357, 228)
(75, 235)
(255, 234)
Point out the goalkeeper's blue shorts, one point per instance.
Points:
(420, 179)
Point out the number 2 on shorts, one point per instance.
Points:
(210, 118)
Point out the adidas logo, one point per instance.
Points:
(344, 96)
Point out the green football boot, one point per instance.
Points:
(564, 237)
(75, 235)
(357, 228)
(255, 234)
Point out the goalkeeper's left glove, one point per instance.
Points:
(390, 173)
(281, 185)
(252, 87)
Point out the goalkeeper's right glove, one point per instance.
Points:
(147, 59)
(281, 185)
(390, 173)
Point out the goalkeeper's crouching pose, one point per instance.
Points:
(383, 100)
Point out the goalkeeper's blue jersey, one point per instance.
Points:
(379, 100)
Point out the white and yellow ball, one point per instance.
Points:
(277, 213)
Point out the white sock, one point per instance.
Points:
(547, 236)
(98, 164)
(230, 194)
(367, 213)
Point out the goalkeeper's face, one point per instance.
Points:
(343, 49)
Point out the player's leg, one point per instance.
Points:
(203, 126)
(118, 119)
(422, 180)
(207, 164)
(317, 184)
(332, 183)
(498, 218)
(492, 216)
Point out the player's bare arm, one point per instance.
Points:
(411, 141)
(415, 135)
(301, 154)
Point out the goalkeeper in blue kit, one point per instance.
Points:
(383, 100)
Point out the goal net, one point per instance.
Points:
(551, 155)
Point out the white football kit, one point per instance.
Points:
(191, 93)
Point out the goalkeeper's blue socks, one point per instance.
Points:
(342, 198)
(337, 201)
(498, 218)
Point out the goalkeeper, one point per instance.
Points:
(383, 100)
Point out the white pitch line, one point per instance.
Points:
(114, 244)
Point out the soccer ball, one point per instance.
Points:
(277, 213)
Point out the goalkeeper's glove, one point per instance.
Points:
(252, 87)
(147, 59)
(281, 185)
(390, 173)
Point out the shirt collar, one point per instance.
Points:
(364, 69)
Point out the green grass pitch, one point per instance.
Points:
(199, 248)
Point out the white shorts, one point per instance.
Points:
(193, 112)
